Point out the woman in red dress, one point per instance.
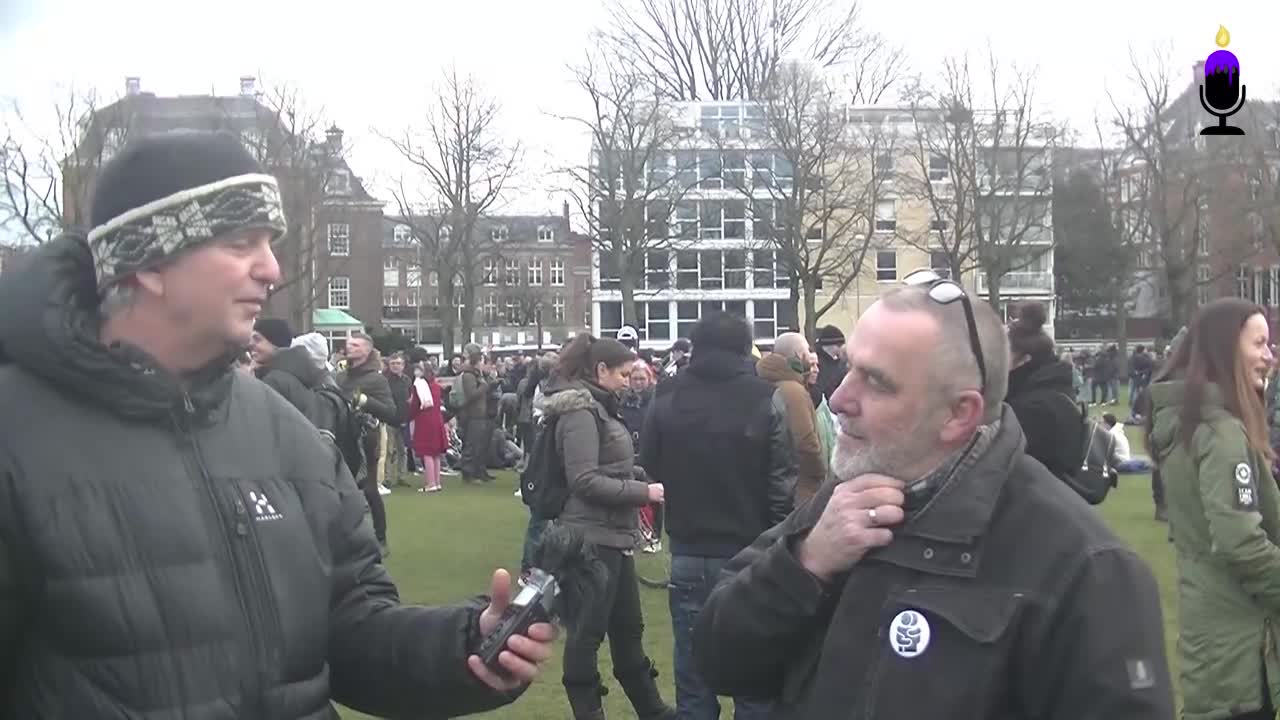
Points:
(429, 437)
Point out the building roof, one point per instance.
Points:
(521, 229)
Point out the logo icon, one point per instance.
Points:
(262, 508)
(1221, 94)
(1244, 475)
(909, 634)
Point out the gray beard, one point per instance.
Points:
(886, 458)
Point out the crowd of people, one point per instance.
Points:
(882, 525)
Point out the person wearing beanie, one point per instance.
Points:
(204, 552)
(833, 364)
(287, 370)
(1041, 393)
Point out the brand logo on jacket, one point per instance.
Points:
(909, 634)
(1244, 475)
(263, 510)
(1141, 675)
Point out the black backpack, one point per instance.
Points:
(543, 485)
(1093, 477)
(337, 419)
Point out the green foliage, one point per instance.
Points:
(1092, 264)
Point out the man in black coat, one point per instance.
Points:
(203, 553)
(943, 574)
(831, 360)
(285, 369)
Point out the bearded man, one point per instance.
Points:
(944, 573)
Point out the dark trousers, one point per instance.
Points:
(477, 435)
(617, 615)
(532, 535)
(1157, 488)
(410, 460)
(372, 451)
(1259, 715)
(692, 580)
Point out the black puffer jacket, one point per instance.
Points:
(1043, 397)
(291, 373)
(202, 554)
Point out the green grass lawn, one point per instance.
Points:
(445, 545)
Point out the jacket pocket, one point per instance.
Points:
(943, 652)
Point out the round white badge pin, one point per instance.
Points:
(909, 634)
(1243, 473)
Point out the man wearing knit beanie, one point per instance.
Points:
(832, 363)
(207, 544)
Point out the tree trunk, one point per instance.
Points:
(468, 310)
(810, 311)
(445, 301)
(993, 292)
(627, 285)
(538, 324)
(1122, 323)
(1181, 295)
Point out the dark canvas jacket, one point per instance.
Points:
(1034, 611)
(203, 554)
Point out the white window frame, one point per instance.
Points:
(340, 292)
(546, 234)
(415, 298)
(413, 277)
(882, 270)
(939, 167)
(557, 273)
(501, 233)
(886, 223)
(390, 272)
(513, 311)
(534, 273)
(511, 273)
(339, 182)
(489, 273)
(339, 236)
(433, 278)
(1202, 284)
(390, 297)
(489, 309)
(557, 309)
(402, 235)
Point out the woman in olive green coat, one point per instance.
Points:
(1208, 428)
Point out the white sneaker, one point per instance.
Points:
(652, 548)
(517, 493)
(384, 490)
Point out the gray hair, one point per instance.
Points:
(953, 364)
(116, 299)
(792, 345)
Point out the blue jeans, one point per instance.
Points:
(532, 535)
(692, 580)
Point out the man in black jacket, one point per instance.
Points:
(945, 574)
(204, 552)
(285, 369)
(398, 440)
(718, 440)
(831, 359)
(362, 382)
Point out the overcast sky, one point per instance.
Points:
(370, 64)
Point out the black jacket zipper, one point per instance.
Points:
(251, 682)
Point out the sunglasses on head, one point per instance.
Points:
(944, 292)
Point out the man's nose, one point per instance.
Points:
(267, 269)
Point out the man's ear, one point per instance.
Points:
(150, 281)
(965, 416)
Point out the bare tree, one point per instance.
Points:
(983, 174)
(289, 138)
(527, 305)
(463, 166)
(632, 185)
(817, 214)
(46, 173)
(732, 49)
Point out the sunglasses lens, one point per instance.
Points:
(920, 277)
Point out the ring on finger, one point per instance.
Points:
(871, 515)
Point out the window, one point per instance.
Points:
(433, 279)
(390, 272)
(939, 168)
(413, 277)
(735, 170)
(546, 234)
(735, 269)
(686, 222)
(1203, 248)
(340, 292)
(1202, 281)
(884, 165)
(500, 233)
(686, 317)
(735, 219)
(339, 239)
(1273, 299)
(711, 275)
(886, 265)
(512, 275)
(782, 172)
(1244, 283)
(658, 316)
(1265, 286)
(940, 263)
(610, 275)
(660, 170)
(710, 220)
(657, 270)
(557, 309)
(686, 169)
(401, 236)
(339, 182)
(391, 298)
(557, 273)
(709, 170)
(491, 309)
(886, 216)
(535, 273)
(761, 170)
(687, 270)
(490, 274)
(764, 272)
(772, 318)
(513, 312)
(415, 298)
(719, 120)
(939, 226)
(610, 318)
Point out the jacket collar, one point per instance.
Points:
(719, 365)
(50, 329)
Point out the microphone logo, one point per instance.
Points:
(1221, 94)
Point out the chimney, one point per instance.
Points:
(132, 85)
(247, 85)
(334, 137)
(565, 210)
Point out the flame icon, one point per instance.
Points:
(1223, 38)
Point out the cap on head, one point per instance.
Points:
(830, 336)
(628, 335)
(170, 192)
(275, 330)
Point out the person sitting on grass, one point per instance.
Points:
(1122, 459)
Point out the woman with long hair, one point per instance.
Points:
(1041, 393)
(430, 441)
(1208, 432)
(607, 490)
